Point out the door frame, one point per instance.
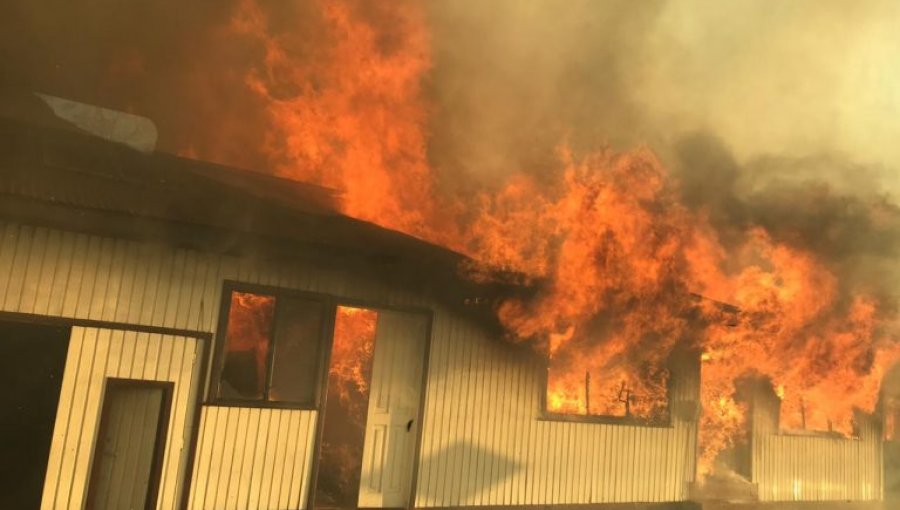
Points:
(162, 429)
(328, 338)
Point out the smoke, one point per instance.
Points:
(514, 78)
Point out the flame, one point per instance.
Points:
(351, 354)
(250, 321)
(353, 118)
(616, 257)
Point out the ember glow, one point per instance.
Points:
(624, 269)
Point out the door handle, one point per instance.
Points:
(409, 425)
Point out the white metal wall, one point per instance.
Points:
(252, 458)
(792, 467)
(483, 442)
(72, 275)
(94, 355)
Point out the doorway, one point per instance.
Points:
(130, 444)
(32, 361)
(370, 420)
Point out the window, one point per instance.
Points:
(578, 386)
(271, 348)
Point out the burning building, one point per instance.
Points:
(195, 336)
(261, 350)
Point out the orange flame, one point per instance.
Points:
(614, 252)
(250, 320)
(351, 353)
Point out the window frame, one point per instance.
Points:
(608, 419)
(330, 305)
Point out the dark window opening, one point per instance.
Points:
(271, 349)
(32, 362)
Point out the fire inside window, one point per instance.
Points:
(271, 349)
(798, 414)
(613, 391)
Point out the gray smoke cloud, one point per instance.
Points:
(777, 114)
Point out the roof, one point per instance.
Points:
(74, 170)
(55, 175)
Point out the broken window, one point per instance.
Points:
(576, 385)
(271, 348)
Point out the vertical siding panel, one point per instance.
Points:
(507, 431)
(130, 267)
(18, 268)
(217, 462)
(309, 455)
(100, 277)
(268, 463)
(43, 279)
(467, 409)
(519, 421)
(75, 275)
(242, 496)
(9, 243)
(59, 283)
(584, 448)
(33, 262)
(239, 449)
(85, 289)
(200, 477)
(484, 425)
(259, 459)
(298, 467)
(454, 375)
(228, 446)
(474, 404)
(152, 277)
(177, 291)
(76, 355)
(289, 469)
(183, 368)
(163, 373)
(188, 288)
(438, 433)
(540, 477)
(490, 443)
(116, 279)
(76, 418)
(281, 449)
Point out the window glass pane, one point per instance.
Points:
(250, 320)
(298, 336)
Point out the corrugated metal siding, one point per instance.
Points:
(485, 444)
(94, 355)
(483, 440)
(253, 458)
(788, 467)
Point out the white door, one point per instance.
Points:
(392, 424)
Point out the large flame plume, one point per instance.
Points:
(619, 260)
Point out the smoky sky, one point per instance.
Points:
(779, 114)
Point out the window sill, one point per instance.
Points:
(817, 433)
(259, 404)
(605, 420)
